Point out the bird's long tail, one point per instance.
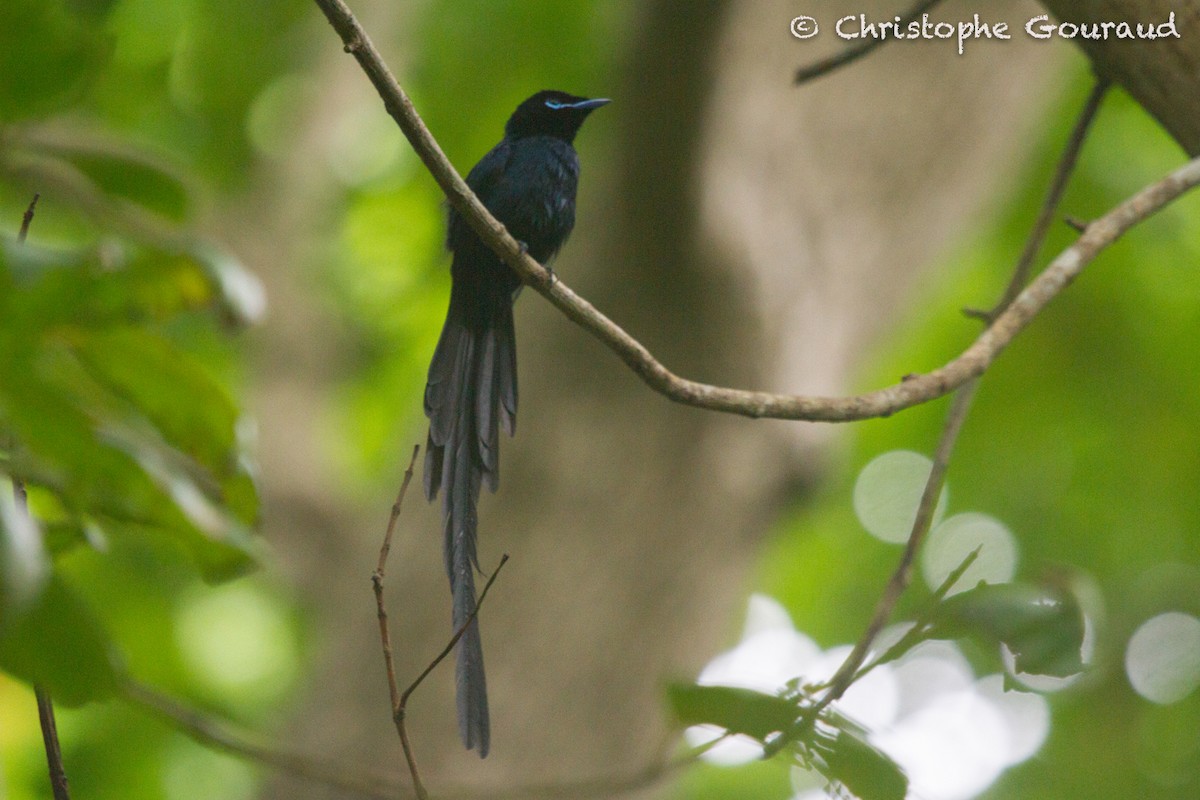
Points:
(471, 393)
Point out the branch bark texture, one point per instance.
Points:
(1163, 75)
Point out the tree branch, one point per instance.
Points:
(215, 734)
(27, 219)
(902, 575)
(385, 637)
(912, 391)
(58, 774)
(399, 699)
(852, 668)
(1058, 185)
(54, 762)
(1162, 75)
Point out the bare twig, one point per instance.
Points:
(857, 51)
(58, 775)
(852, 668)
(917, 389)
(385, 637)
(1058, 185)
(399, 699)
(386, 548)
(400, 710)
(458, 634)
(920, 629)
(216, 734)
(54, 762)
(1075, 223)
(26, 219)
(902, 575)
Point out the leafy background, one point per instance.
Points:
(142, 123)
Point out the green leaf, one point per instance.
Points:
(23, 561)
(124, 430)
(56, 643)
(126, 175)
(862, 768)
(1041, 626)
(48, 55)
(734, 709)
(153, 379)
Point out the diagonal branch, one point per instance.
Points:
(385, 637)
(217, 735)
(400, 699)
(59, 784)
(902, 575)
(1058, 186)
(851, 669)
(914, 390)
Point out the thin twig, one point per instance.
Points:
(458, 634)
(852, 667)
(400, 699)
(395, 515)
(216, 734)
(26, 219)
(385, 637)
(54, 761)
(857, 51)
(915, 390)
(400, 709)
(917, 633)
(902, 575)
(58, 775)
(1075, 223)
(1054, 194)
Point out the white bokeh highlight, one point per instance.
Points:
(1162, 659)
(955, 538)
(952, 733)
(771, 653)
(888, 491)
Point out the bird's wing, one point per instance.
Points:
(486, 180)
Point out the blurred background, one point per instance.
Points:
(820, 239)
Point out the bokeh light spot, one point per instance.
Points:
(192, 772)
(1163, 657)
(888, 491)
(956, 538)
(237, 639)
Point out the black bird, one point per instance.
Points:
(528, 182)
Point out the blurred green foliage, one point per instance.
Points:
(116, 406)
(836, 747)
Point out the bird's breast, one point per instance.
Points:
(544, 175)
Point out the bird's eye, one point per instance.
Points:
(554, 105)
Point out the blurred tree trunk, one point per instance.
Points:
(1163, 75)
(749, 232)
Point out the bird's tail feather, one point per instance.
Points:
(470, 396)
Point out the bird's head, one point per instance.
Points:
(551, 113)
